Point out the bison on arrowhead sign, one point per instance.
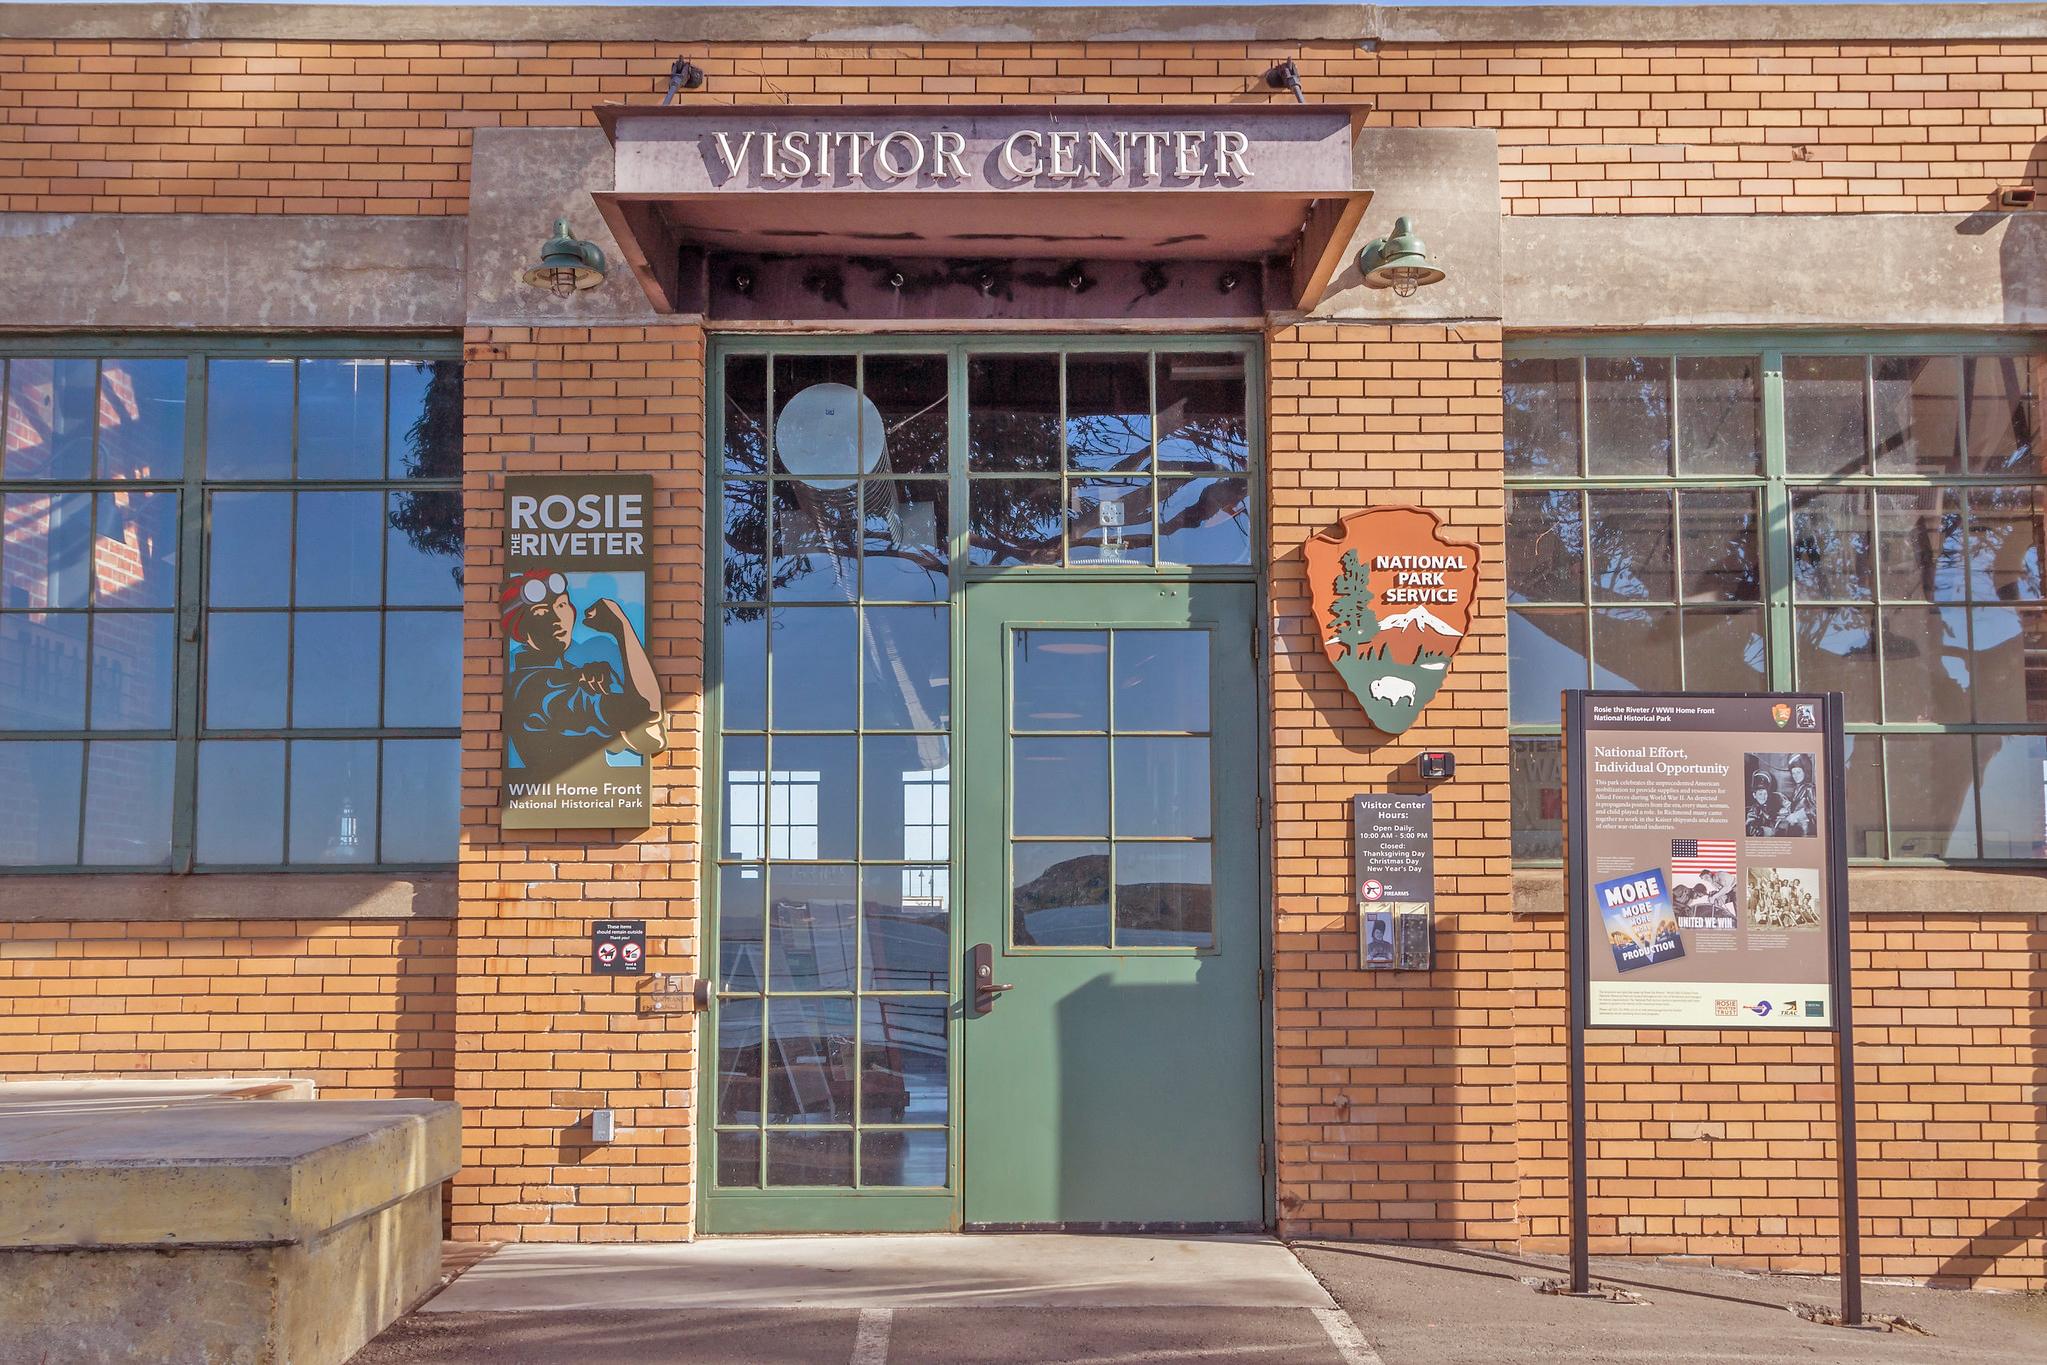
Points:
(1392, 602)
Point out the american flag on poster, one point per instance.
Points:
(1690, 857)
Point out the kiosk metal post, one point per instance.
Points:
(1575, 891)
(1844, 1041)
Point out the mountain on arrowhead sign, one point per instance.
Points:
(1392, 600)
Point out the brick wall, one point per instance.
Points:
(540, 1041)
(363, 1007)
(290, 127)
(1395, 1093)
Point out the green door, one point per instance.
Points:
(1112, 1068)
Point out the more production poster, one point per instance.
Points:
(1707, 860)
(583, 712)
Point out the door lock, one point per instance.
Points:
(981, 973)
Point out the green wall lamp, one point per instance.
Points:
(1400, 262)
(567, 263)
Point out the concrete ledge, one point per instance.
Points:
(336, 272)
(209, 1174)
(256, 895)
(688, 29)
(1871, 891)
(1776, 270)
(291, 1231)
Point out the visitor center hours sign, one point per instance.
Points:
(1705, 863)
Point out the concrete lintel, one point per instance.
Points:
(1930, 270)
(1944, 892)
(520, 181)
(689, 28)
(234, 895)
(1448, 181)
(244, 272)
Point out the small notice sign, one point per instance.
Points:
(618, 947)
(1393, 840)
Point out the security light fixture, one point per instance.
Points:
(1076, 278)
(741, 281)
(1227, 282)
(1399, 262)
(684, 75)
(1152, 280)
(567, 263)
(1287, 76)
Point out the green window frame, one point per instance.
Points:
(130, 462)
(1733, 512)
(764, 571)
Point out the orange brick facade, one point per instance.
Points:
(1405, 1109)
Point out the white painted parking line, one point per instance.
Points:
(1350, 1343)
(870, 1347)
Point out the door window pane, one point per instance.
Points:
(745, 414)
(823, 439)
(817, 542)
(739, 1157)
(909, 394)
(1165, 895)
(743, 668)
(1059, 895)
(1538, 796)
(1059, 680)
(1059, 786)
(910, 1158)
(1161, 680)
(744, 555)
(813, 803)
(813, 652)
(742, 928)
(739, 1061)
(1161, 787)
(810, 1158)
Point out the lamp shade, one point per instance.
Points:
(1399, 262)
(830, 430)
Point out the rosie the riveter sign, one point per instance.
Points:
(1704, 863)
(583, 707)
(1393, 600)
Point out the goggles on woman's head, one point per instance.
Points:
(538, 590)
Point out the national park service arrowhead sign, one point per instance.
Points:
(1392, 602)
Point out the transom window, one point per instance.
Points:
(1819, 514)
(230, 607)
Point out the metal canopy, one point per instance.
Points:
(1022, 212)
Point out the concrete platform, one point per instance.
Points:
(199, 1228)
(1033, 1270)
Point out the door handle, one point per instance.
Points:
(981, 974)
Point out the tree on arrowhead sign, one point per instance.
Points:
(1393, 600)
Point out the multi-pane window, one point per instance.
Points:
(834, 878)
(1818, 515)
(229, 631)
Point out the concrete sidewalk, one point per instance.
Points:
(1093, 1300)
